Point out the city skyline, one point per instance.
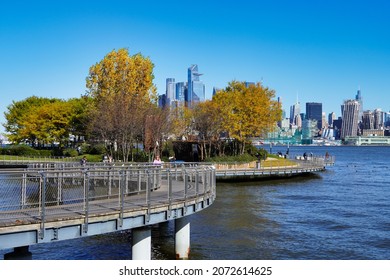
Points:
(291, 47)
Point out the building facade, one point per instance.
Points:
(350, 124)
(294, 111)
(314, 112)
(196, 88)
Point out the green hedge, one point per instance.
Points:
(20, 150)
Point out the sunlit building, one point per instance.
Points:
(196, 88)
(350, 110)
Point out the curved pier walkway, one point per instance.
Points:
(296, 166)
(48, 203)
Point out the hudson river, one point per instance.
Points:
(342, 213)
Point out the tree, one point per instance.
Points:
(40, 121)
(246, 111)
(21, 114)
(123, 93)
(207, 122)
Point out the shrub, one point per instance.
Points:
(96, 149)
(23, 150)
(70, 152)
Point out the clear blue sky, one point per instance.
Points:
(320, 51)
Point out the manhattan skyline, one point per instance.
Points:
(320, 52)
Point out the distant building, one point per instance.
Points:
(196, 88)
(350, 110)
(314, 112)
(368, 120)
(373, 132)
(181, 92)
(215, 90)
(324, 121)
(294, 111)
(298, 121)
(162, 100)
(386, 119)
(359, 99)
(170, 91)
(247, 84)
(378, 119)
(331, 118)
(337, 124)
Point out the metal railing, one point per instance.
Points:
(294, 162)
(43, 194)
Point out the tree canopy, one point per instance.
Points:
(123, 93)
(240, 111)
(40, 120)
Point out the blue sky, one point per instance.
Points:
(318, 51)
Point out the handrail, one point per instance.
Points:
(39, 196)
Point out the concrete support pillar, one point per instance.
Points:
(182, 239)
(142, 240)
(19, 253)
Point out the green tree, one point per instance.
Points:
(21, 113)
(42, 121)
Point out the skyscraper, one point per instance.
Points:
(294, 111)
(378, 119)
(314, 112)
(331, 118)
(359, 99)
(196, 88)
(181, 92)
(170, 91)
(368, 120)
(350, 110)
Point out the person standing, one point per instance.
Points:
(83, 161)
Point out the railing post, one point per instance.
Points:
(122, 186)
(127, 181)
(185, 190)
(196, 187)
(148, 195)
(42, 206)
(109, 182)
(86, 201)
(24, 191)
(139, 180)
(59, 187)
(169, 179)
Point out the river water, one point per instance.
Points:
(341, 213)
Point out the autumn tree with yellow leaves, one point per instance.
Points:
(241, 112)
(121, 86)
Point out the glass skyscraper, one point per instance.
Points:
(181, 92)
(170, 91)
(196, 88)
(314, 112)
